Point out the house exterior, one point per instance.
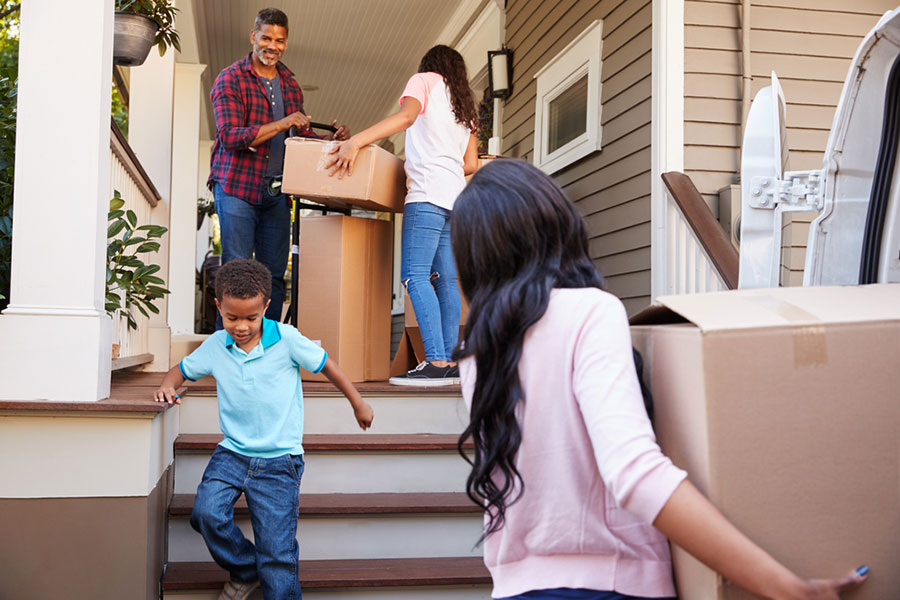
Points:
(663, 91)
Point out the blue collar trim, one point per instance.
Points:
(271, 334)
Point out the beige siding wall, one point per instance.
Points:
(611, 187)
(809, 44)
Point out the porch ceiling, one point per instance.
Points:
(351, 57)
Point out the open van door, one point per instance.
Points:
(764, 160)
(856, 238)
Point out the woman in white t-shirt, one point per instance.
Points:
(438, 114)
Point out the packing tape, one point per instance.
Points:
(810, 344)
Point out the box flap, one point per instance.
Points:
(787, 307)
(656, 314)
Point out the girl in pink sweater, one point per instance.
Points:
(579, 498)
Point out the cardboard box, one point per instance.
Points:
(378, 181)
(345, 292)
(483, 159)
(784, 407)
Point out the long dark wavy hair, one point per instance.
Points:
(449, 64)
(515, 236)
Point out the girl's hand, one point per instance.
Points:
(364, 415)
(167, 394)
(344, 159)
(831, 589)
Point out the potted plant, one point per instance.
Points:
(141, 24)
(130, 282)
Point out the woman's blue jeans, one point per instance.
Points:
(257, 231)
(272, 489)
(428, 271)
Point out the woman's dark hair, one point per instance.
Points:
(243, 278)
(515, 236)
(270, 16)
(449, 64)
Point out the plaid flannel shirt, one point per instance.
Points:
(241, 106)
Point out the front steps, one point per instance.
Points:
(382, 515)
(374, 579)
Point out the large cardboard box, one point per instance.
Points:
(344, 294)
(378, 181)
(784, 407)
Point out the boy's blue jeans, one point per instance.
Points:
(272, 489)
(425, 250)
(263, 232)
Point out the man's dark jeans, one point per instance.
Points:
(262, 232)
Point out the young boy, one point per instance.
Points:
(254, 361)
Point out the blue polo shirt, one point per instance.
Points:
(259, 394)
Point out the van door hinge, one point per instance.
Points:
(799, 191)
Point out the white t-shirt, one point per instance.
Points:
(435, 144)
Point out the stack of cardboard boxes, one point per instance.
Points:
(344, 291)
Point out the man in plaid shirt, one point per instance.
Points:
(256, 101)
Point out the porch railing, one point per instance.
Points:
(140, 195)
(700, 256)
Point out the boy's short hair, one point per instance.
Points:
(270, 16)
(243, 278)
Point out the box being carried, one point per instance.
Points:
(783, 405)
(344, 295)
(378, 181)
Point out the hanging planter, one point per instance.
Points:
(133, 38)
(140, 24)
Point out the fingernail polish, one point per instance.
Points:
(862, 571)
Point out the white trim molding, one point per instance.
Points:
(581, 57)
(667, 130)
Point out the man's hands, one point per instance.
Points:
(300, 122)
(297, 120)
(364, 414)
(342, 133)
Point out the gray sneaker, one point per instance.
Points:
(425, 375)
(238, 591)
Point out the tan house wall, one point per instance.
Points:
(611, 187)
(809, 43)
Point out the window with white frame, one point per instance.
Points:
(567, 109)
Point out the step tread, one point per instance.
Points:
(207, 385)
(356, 504)
(345, 573)
(333, 442)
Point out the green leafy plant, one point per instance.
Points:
(160, 11)
(485, 123)
(130, 282)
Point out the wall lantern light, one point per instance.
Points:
(500, 72)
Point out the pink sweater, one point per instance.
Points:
(594, 477)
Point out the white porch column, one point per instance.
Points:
(666, 131)
(150, 117)
(56, 336)
(183, 216)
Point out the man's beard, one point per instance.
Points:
(270, 59)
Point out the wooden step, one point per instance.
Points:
(380, 442)
(350, 463)
(351, 573)
(354, 504)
